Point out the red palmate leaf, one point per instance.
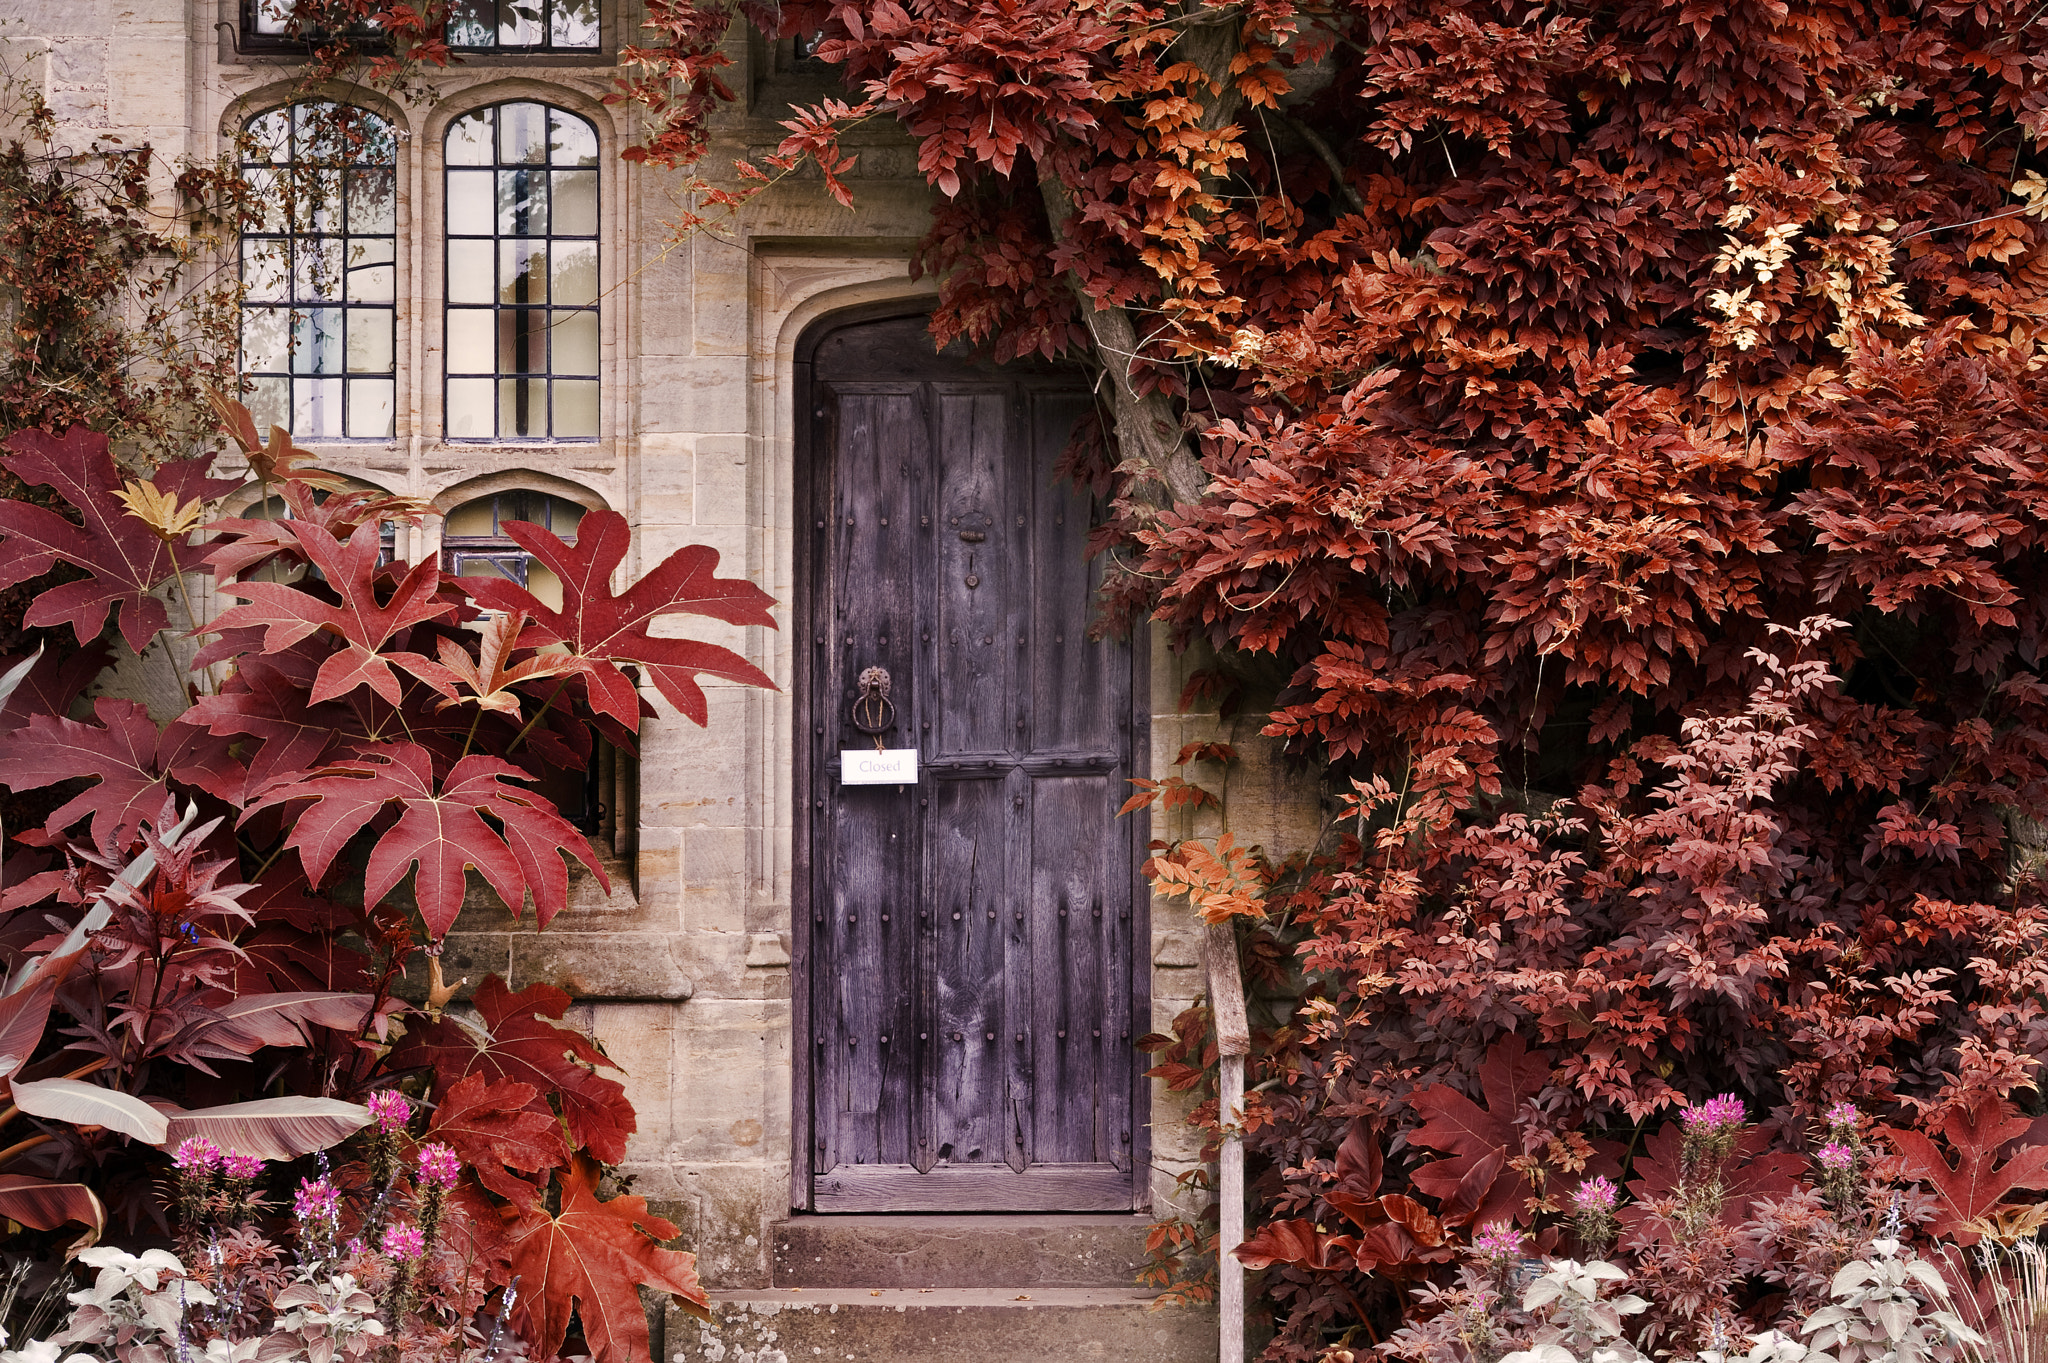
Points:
(497, 1126)
(1975, 1184)
(359, 620)
(1468, 1185)
(264, 702)
(592, 1258)
(490, 677)
(126, 560)
(132, 763)
(51, 685)
(610, 629)
(519, 1044)
(1754, 1171)
(440, 829)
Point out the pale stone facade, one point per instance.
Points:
(684, 971)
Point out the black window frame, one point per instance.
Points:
(546, 306)
(251, 40)
(293, 233)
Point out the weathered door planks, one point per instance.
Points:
(967, 969)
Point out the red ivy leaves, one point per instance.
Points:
(593, 1257)
(1971, 1188)
(607, 629)
(519, 1043)
(125, 560)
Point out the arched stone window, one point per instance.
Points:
(320, 272)
(474, 542)
(522, 275)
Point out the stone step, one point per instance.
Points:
(867, 1252)
(942, 1325)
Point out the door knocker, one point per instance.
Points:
(873, 712)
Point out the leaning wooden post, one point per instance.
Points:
(1233, 1043)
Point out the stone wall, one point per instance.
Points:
(682, 970)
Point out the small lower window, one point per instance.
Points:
(474, 542)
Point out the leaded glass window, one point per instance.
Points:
(523, 25)
(512, 27)
(474, 542)
(319, 272)
(522, 275)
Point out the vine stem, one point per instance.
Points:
(191, 622)
(546, 706)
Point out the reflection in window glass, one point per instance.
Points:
(473, 25)
(474, 542)
(522, 275)
(319, 272)
(524, 25)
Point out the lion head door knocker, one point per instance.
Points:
(873, 712)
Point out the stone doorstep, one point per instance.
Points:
(940, 1325)
(892, 1252)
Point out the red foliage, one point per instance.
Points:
(593, 1255)
(522, 1046)
(334, 745)
(1983, 1134)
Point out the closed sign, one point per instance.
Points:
(887, 767)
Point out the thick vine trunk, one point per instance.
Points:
(1149, 434)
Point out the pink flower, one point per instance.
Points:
(241, 1166)
(317, 1200)
(390, 1110)
(404, 1243)
(1842, 1114)
(196, 1155)
(1835, 1157)
(439, 1166)
(1596, 1195)
(1724, 1113)
(1498, 1241)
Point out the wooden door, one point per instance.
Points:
(967, 984)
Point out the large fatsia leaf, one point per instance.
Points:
(1969, 1189)
(270, 1128)
(607, 629)
(592, 1258)
(440, 829)
(83, 1104)
(125, 560)
(517, 1042)
(497, 1126)
(1479, 1140)
(132, 761)
(362, 622)
(43, 1204)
